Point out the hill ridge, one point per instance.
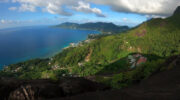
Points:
(103, 27)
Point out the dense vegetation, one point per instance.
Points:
(106, 57)
(99, 26)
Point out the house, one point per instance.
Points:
(55, 67)
(141, 60)
(72, 44)
(132, 61)
(136, 59)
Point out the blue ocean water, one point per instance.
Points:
(24, 43)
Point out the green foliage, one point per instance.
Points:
(87, 69)
(30, 75)
(117, 81)
(125, 79)
(71, 56)
(60, 73)
(115, 67)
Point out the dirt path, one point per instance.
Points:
(87, 59)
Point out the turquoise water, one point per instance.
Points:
(24, 43)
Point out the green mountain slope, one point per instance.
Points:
(158, 37)
(106, 58)
(99, 26)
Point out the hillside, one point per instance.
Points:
(163, 84)
(118, 60)
(160, 86)
(99, 26)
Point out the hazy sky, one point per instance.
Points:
(15, 13)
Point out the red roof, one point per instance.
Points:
(141, 60)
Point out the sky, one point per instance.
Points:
(15, 13)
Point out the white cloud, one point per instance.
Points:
(58, 6)
(51, 6)
(54, 9)
(27, 7)
(147, 7)
(154, 16)
(85, 7)
(13, 8)
(16, 23)
(125, 19)
(2, 21)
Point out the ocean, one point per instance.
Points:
(25, 43)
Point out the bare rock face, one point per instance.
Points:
(23, 93)
(13, 89)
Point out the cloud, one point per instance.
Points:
(125, 19)
(2, 21)
(147, 7)
(27, 7)
(54, 9)
(7, 23)
(153, 8)
(51, 6)
(154, 16)
(61, 7)
(12, 8)
(85, 7)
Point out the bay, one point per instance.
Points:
(24, 43)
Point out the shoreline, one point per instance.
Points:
(48, 56)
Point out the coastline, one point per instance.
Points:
(50, 55)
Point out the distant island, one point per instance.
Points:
(98, 26)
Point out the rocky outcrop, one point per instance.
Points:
(13, 89)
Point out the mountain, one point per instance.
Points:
(177, 11)
(118, 60)
(99, 26)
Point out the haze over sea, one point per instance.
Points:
(24, 43)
